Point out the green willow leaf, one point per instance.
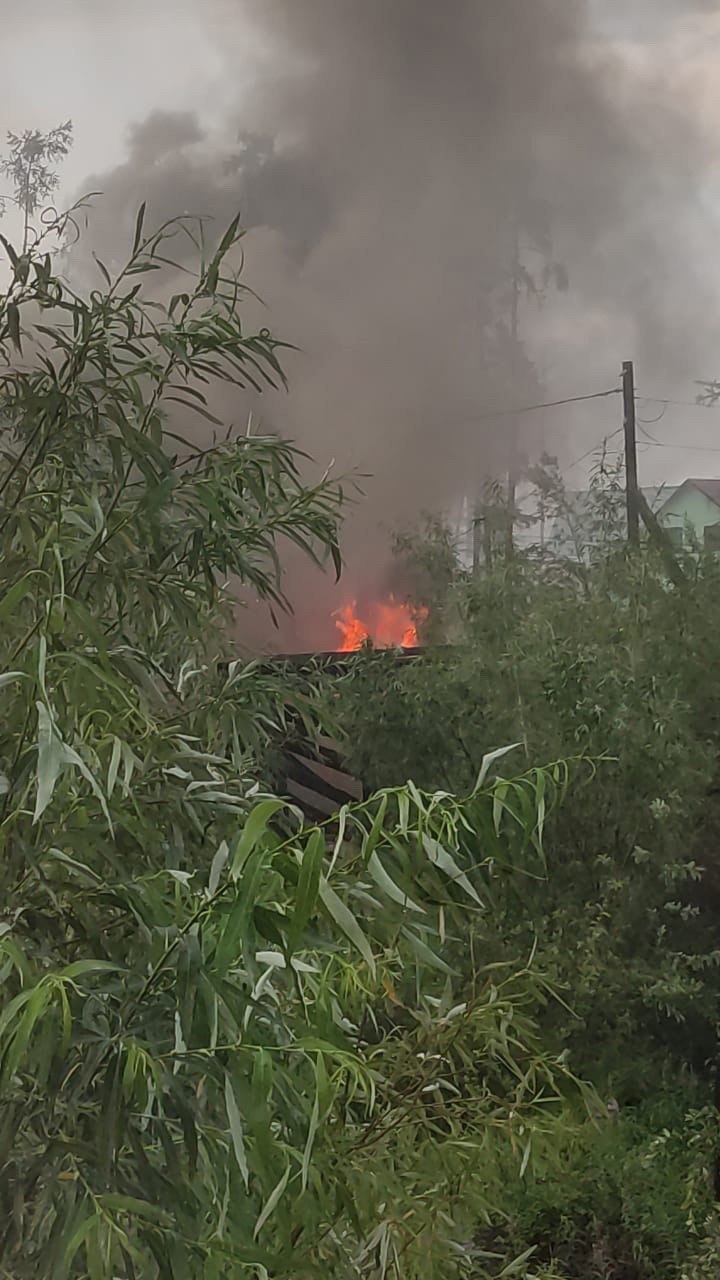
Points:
(443, 859)
(308, 889)
(79, 1235)
(253, 831)
(345, 920)
(271, 1203)
(118, 1203)
(425, 955)
(387, 884)
(236, 1131)
(81, 968)
(39, 999)
(489, 760)
(51, 759)
(12, 312)
(139, 222)
(9, 677)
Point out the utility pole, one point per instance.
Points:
(638, 506)
(477, 522)
(631, 473)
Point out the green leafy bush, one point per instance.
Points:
(229, 1044)
(628, 1194)
(607, 661)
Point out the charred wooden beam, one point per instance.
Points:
(318, 780)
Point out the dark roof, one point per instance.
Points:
(710, 488)
(335, 658)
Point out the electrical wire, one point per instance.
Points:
(647, 435)
(594, 449)
(659, 417)
(652, 442)
(682, 448)
(683, 404)
(550, 404)
(598, 395)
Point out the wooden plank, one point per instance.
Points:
(335, 778)
(311, 802)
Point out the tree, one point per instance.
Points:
(230, 1044)
(28, 166)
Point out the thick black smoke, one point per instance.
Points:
(389, 158)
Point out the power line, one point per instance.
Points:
(652, 442)
(596, 395)
(658, 417)
(550, 404)
(648, 435)
(594, 449)
(682, 448)
(683, 404)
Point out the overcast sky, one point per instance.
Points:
(108, 65)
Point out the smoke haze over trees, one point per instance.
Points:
(268, 1008)
(386, 161)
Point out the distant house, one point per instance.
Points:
(691, 514)
(575, 533)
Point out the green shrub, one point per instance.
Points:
(626, 1195)
(609, 663)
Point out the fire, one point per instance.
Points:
(388, 624)
(354, 633)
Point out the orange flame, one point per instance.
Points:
(353, 632)
(389, 623)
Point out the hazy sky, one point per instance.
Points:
(108, 66)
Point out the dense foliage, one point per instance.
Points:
(235, 1044)
(628, 1197)
(593, 653)
(230, 1044)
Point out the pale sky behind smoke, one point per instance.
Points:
(110, 66)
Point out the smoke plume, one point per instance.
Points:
(402, 167)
